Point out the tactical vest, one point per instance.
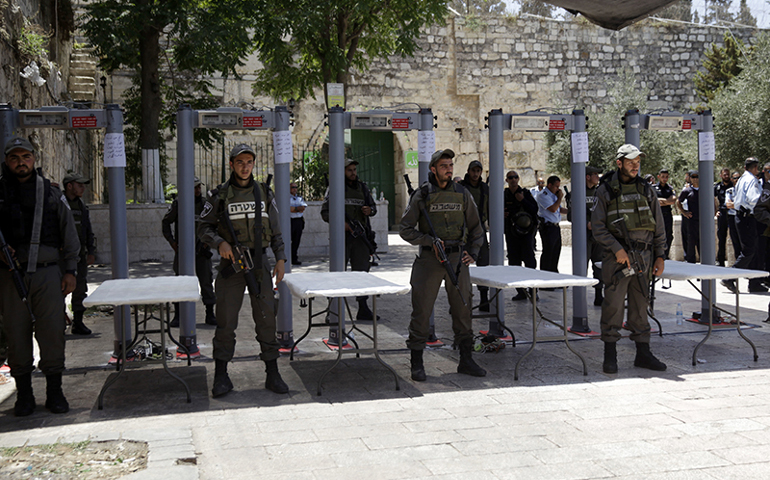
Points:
(355, 198)
(590, 201)
(240, 204)
(77, 215)
(479, 197)
(18, 213)
(630, 201)
(446, 209)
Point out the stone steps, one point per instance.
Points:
(82, 78)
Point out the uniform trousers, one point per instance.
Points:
(692, 230)
(550, 234)
(613, 307)
(297, 225)
(734, 235)
(427, 274)
(722, 229)
(521, 249)
(205, 277)
(483, 260)
(668, 223)
(47, 300)
(595, 255)
(752, 257)
(81, 286)
(357, 253)
(229, 292)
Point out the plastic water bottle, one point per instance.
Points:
(679, 314)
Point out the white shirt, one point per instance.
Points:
(296, 201)
(730, 197)
(546, 199)
(747, 192)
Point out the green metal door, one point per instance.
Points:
(374, 153)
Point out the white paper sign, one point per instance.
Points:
(426, 145)
(580, 147)
(114, 150)
(282, 147)
(706, 147)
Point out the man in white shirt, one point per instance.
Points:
(549, 210)
(747, 193)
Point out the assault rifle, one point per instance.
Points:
(242, 261)
(409, 188)
(15, 269)
(635, 258)
(359, 231)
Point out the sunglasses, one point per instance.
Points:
(693, 176)
(511, 177)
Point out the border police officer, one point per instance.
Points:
(480, 192)
(202, 256)
(240, 216)
(520, 211)
(595, 250)
(38, 226)
(452, 212)
(747, 193)
(666, 197)
(359, 206)
(74, 187)
(625, 197)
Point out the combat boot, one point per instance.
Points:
(467, 365)
(25, 400)
(54, 397)
(364, 313)
(175, 321)
(484, 300)
(222, 383)
(645, 358)
(598, 297)
(78, 327)
(274, 382)
(211, 319)
(610, 364)
(418, 369)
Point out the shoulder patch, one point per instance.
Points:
(207, 208)
(64, 201)
(765, 195)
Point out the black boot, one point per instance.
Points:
(274, 382)
(467, 365)
(598, 297)
(521, 295)
(54, 397)
(175, 321)
(211, 319)
(25, 400)
(78, 327)
(484, 300)
(418, 369)
(645, 358)
(610, 364)
(222, 383)
(364, 313)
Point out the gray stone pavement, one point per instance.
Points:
(706, 421)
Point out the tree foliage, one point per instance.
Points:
(673, 150)
(718, 11)
(304, 44)
(681, 10)
(744, 16)
(742, 110)
(477, 7)
(721, 64)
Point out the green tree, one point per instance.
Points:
(721, 64)
(681, 10)
(741, 118)
(744, 15)
(477, 7)
(304, 44)
(193, 38)
(536, 7)
(718, 11)
(672, 150)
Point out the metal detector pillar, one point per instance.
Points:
(284, 327)
(632, 125)
(186, 218)
(579, 230)
(9, 122)
(707, 242)
(496, 215)
(337, 218)
(427, 125)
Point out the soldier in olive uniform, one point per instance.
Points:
(74, 187)
(242, 212)
(359, 206)
(202, 256)
(624, 196)
(456, 221)
(480, 192)
(595, 251)
(42, 236)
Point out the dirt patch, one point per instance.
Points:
(83, 460)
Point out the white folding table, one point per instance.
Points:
(507, 277)
(337, 285)
(144, 292)
(695, 271)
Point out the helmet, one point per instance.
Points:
(523, 223)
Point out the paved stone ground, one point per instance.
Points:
(706, 421)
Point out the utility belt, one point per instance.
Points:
(635, 245)
(447, 249)
(39, 265)
(243, 262)
(544, 222)
(743, 212)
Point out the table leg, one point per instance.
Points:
(565, 330)
(534, 334)
(309, 326)
(163, 351)
(376, 345)
(740, 332)
(121, 364)
(341, 336)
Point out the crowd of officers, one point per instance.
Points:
(629, 223)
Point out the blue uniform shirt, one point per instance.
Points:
(546, 199)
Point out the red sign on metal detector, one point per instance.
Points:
(686, 124)
(84, 122)
(252, 122)
(400, 123)
(556, 125)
